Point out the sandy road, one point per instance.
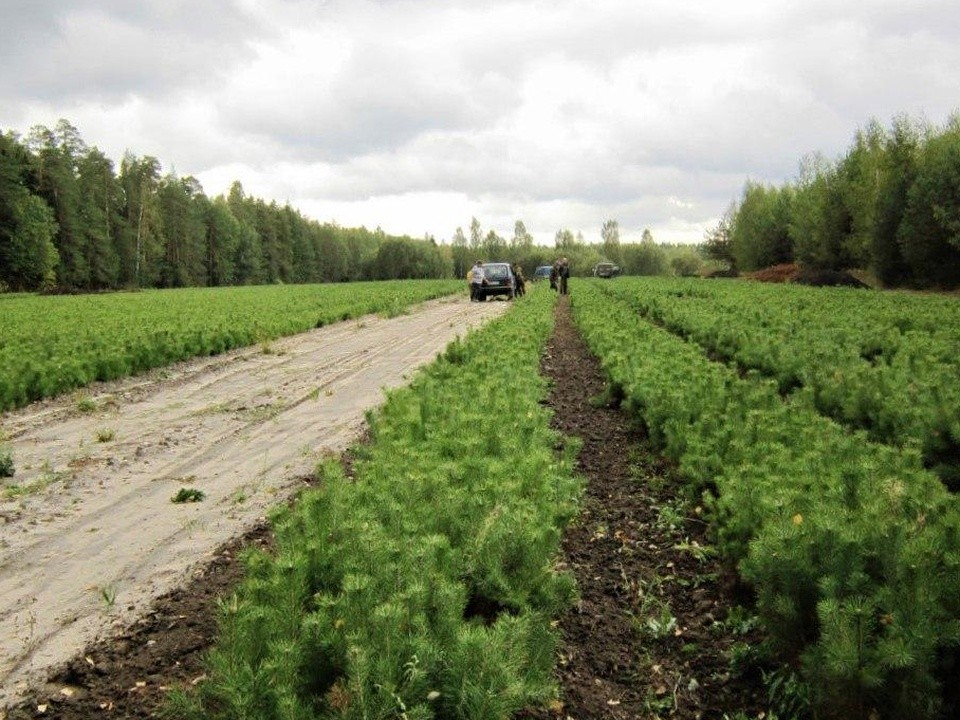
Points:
(94, 536)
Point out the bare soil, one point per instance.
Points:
(648, 637)
(638, 550)
(89, 534)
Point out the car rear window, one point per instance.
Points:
(496, 272)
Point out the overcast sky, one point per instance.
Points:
(416, 115)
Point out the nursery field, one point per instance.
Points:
(50, 345)
(886, 363)
(848, 537)
(652, 498)
(90, 531)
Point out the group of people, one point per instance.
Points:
(476, 277)
(559, 275)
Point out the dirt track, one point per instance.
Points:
(95, 536)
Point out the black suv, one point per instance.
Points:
(498, 279)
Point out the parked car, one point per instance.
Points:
(542, 272)
(498, 279)
(605, 270)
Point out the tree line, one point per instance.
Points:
(646, 257)
(889, 205)
(70, 221)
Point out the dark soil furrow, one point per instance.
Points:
(649, 636)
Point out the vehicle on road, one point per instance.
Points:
(498, 279)
(542, 273)
(605, 270)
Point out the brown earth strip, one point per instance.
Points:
(648, 637)
(128, 675)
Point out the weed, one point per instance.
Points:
(659, 701)
(744, 658)
(85, 404)
(12, 492)
(739, 621)
(216, 408)
(787, 693)
(6, 463)
(188, 495)
(701, 553)
(671, 517)
(46, 478)
(264, 412)
(662, 623)
(654, 618)
(105, 435)
(108, 593)
(31, 641)
(190, 525)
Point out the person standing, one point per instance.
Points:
(564, 273)
(476, 282)
(521, 283)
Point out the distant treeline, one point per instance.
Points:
(646, 257)
(70, 222)
(890, 205)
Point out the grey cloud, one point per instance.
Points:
(379, 101)
(108, 49)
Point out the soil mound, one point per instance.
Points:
(833, 278)
(782, 273)
(725, 273)
(797, 273)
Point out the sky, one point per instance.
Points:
(416, 116)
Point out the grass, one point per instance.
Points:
(7, 468)
(105, 435)
(188, 495)
(85, 404)
(108, 593)
(46, 478)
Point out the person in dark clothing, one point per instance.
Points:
(563, 271)
(521, 287)
(554, 275)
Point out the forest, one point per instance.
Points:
(71, 222)
(889, 206)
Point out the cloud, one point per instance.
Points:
(418, 112)
(107, 51)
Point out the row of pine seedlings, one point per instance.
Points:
(423, 582)
(851, 548)
(114, 335)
